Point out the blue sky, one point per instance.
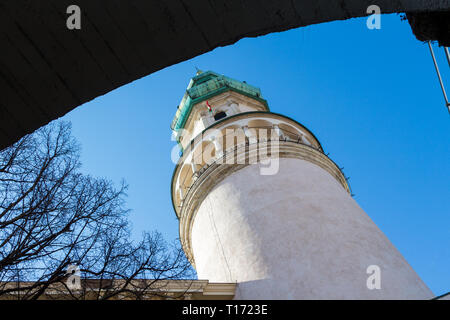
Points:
(370, 96)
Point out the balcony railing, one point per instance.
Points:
(187, 181)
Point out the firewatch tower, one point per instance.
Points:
(260, 204)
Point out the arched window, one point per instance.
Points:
(219, 115)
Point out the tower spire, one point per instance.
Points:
(198, 71)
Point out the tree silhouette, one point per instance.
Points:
(54, 219)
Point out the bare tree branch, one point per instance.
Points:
(52, 216)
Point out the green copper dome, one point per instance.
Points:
(206, 85)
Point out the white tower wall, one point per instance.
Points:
(295, 235)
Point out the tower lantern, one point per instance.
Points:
(260, 204)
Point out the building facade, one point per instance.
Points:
(260, 204)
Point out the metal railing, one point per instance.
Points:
(447, 54)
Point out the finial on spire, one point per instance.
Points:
(198, 71)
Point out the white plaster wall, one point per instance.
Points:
(245, 108)
(295, 235)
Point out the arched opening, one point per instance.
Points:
(259, 123)
(204, 154)
(183, 181)
(262, 128)
(290, 132)
(232, 135)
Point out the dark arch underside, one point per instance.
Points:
(47, 70)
